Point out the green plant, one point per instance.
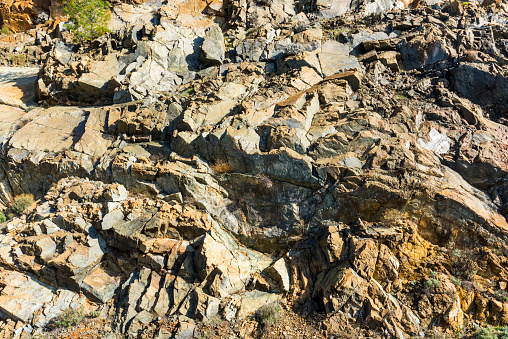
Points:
(94, 314)
(503, 332)
(485, 333)
(501, 295)
(10, 216)
(29, 108)
(21, 202)
(413, 282)
(18, 59)
(456, 281)
(4, 31)
(463, 263)
(185, 94)
(431, 283)
(69, 318)
(214, 321)
(270, 313)
(88, 19)
(3, 218)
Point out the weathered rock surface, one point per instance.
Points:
(262, 153)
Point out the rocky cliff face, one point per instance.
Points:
(346, 160)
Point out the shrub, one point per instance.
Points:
(69, 318)
(501, 295)
(18, 59)
(432, 283)
(88, 19)
(21, 202)
(485, 333)
(270, 313)
(94, 314)
(463, 264)
(3, 218)
(503, 332)
(221, 166)
(457, 282)
(4, 31)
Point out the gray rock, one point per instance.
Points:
(49, 227)
(22, 295)
(45, 247)
(111, 219)
(213, 48)
(334, 58)
(467, 78)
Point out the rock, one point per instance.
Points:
(329, 9)
(115, 193)
(54, 130)
(49, 227)
(232, 265)
(249, 302)
(280, 272)
(213, 48)
(111, 219)
(494, 84)
(437, 142)
(334, 58)
(101, 283)
(22, 296)
(45, 247)
(342, 289)
(16, 86)
(425, 50)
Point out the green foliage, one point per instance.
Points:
(94, 314)
(270, 313)
(503, 332)
(485, 333)
(431, 283)
(456, 281)
(88, 18)
(3, 218)
(4, 31)
(29, 108)
(18, 59)
(69, 318)
(501, 295)
(21, 202)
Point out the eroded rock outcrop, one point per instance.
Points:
(345, 166)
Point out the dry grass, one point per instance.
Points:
(221, 166)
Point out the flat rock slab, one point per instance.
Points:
(17, 86)
(54, 129)
(21, 296)
(8, 119)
